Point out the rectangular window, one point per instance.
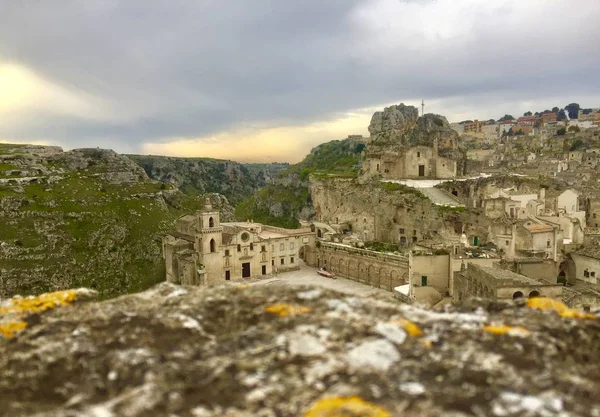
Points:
(282, 246)
(594, 215)
(401, 231)
(292, 246)
(282, 261)
(507, 243)
(592, 274)
(252, 246)
(292, 261)
(226, 252)
(239, 248)
(272, 262)
(548, 244)
(263, 248)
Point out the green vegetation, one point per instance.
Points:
(82, 231)
(280, 204)
(574, 129)
(383, 247)
(393, 187)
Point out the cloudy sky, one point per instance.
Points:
(267, 80)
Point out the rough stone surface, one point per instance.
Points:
(395, 117)
(239, 351)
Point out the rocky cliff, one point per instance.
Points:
(292, 351)
(196, 176)
(287, 199)
(87, 217)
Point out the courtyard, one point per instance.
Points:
(309, 276)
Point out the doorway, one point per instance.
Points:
(421, 170)
(227, 275)
(264, 269)
(246, 270)
(423, 281)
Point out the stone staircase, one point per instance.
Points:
(440, 197)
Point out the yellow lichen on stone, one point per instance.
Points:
(345, 407)
(241, 287)
(505, 329)
(411, 328)
(10, 329)
(40, 303)
(283, 310)
(548, 304)
(427, 343)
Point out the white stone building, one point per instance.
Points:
(203, 250)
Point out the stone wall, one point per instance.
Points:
(385, 271)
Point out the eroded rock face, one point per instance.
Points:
(396, 117)
(293, 351)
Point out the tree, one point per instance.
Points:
(536, 114)
(574, 129)
(464, 122)
(561, 131)
(527, 113)
(587, 111)
(577, 143)
(506, 117)
(573, 110)
(561, 115)
(555, 109)
(491, 122)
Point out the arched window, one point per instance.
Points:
(212, 246)
(518, 294)
(534, 294)
(211, 222)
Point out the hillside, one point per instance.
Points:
(196, 176)
(87, 217)
(287, 199)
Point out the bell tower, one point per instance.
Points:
(208, 242)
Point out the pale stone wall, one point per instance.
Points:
(435, 267)
(499, 284)
(592, 265)
(385, 271)
(546, 270)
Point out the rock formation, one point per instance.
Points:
(403, 145)
(292, 351)
(203, 175)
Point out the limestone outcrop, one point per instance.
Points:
(403, 145)
(238, 350)
(203, 175)
(394, 118)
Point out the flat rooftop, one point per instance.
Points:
(506, 278)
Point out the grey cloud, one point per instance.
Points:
(190, 69)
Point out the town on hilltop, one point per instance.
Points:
(432, 212)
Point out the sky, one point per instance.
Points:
(268, 80)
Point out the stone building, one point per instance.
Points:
(500, 284)
(403, 145)
(202, 250)
(380, 270)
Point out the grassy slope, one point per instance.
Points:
(82, 231)
(281, 203)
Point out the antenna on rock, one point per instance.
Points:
(422, 107)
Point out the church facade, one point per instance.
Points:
(204, 251)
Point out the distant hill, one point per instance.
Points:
(287, 199)
(196, 176)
